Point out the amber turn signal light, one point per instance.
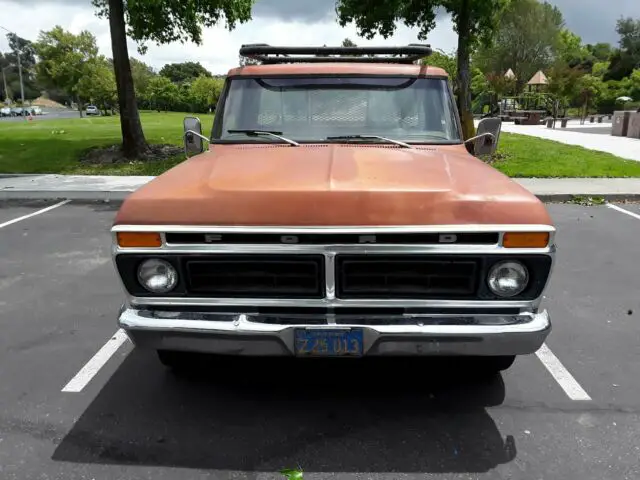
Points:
(525, 239)
(139, 239)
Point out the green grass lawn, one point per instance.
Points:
(54, 146)
(524, 156)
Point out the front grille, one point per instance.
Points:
(279, 276)
(406, 276)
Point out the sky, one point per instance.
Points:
(281, 22)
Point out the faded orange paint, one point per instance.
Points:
(332, 185)
(339, 69)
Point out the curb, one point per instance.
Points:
(79, 195)
(118, 196)
(568, 197)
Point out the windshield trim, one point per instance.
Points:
(216, 129)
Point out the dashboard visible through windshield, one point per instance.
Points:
(312, 109)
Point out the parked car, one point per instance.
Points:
(36, 110)
(337, 213)
(5, 112)
(92, 110)
(17, 111)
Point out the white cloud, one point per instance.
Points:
(219, 50)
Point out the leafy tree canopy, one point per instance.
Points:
(184, 72)
(526, 40)
(169, 21)
(65, 58)
(474, 21)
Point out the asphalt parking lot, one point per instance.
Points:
(77, 403)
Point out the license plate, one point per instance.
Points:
(328, 343)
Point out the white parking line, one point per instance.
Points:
(569, 384)
(622, 210)
(93, 366)
(24, 217)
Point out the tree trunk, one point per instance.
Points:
(134, 144)
(79, 104)
(464, 82)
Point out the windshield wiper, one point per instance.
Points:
(274, 134)
(369, 137)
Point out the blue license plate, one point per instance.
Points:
(328, 343)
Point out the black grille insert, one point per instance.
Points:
(257, 275)
(467, 238)
(406, 276)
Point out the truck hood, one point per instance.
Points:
(332, 185)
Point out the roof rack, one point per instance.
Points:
(268, 54)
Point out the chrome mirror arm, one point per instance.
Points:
(184, 137)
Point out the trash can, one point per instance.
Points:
(620, 125)
(634, 125)
(549, 122)
(564, 122)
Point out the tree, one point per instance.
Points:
(347, 42)
(474, 21)
(600, 51)
(184, 72)
(246, 61)
(446, 61)
(589, 90)
(65, 59)
(161, 22)
(627, 57)
(98, 83)
(526, 40)
(634, 85)
(25, 48)
(162, 92)
(599, 69)
(563, 81)
(205, 91)
(142, 74)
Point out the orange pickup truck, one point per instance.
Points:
(337, 212)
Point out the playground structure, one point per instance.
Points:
(530, 107)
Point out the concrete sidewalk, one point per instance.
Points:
(582, 136)
(107, 188)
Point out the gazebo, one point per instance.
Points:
(510, 75)
(538, 80)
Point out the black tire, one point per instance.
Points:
(494, 365)
(175, 360)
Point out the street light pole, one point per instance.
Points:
(4, 80)
(21, 84)
(19, 68)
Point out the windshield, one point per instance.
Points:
(311, 109)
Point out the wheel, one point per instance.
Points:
(494, 364)
(175, 360)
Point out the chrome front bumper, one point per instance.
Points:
(249, 334)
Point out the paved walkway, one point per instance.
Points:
(593, 136)
(89, 188)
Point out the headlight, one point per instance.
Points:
(157, 276)
(508, 278)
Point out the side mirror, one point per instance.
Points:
(488, 135)
(193, 138)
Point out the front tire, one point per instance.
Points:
(493, 365)
(175, 360)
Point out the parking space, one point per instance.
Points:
(242, 419)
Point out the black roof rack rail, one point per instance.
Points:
(268, 54)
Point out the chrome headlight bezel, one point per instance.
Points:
(521, 273)
(164, 273)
